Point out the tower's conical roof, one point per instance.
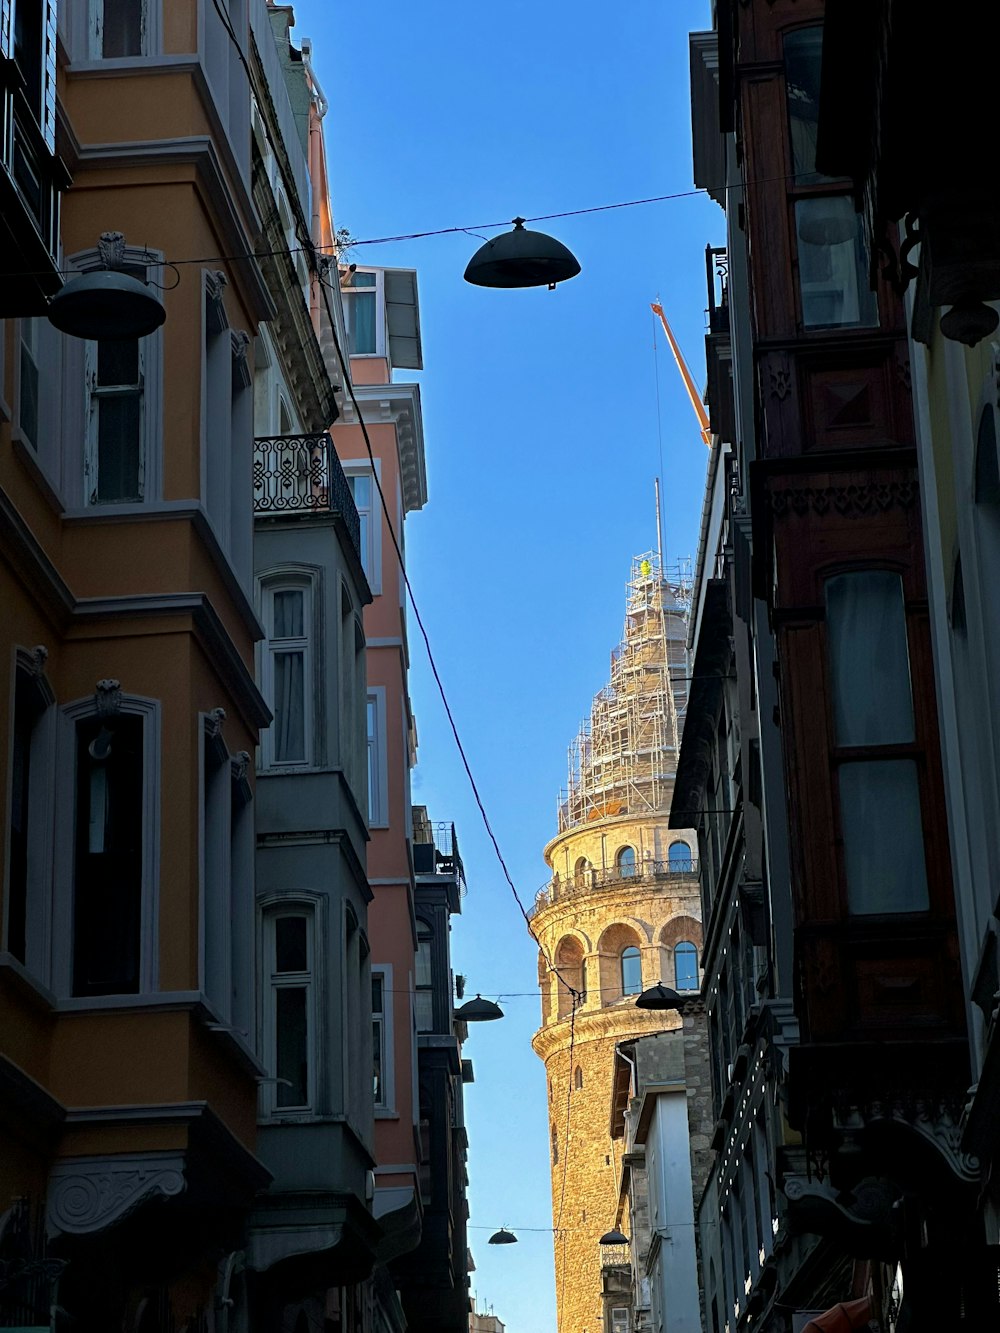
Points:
(624, 758)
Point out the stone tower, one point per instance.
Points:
(621, 912)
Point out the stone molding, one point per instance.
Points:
(89, 1194)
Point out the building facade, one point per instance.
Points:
(128, 1034)
(620, 912)
(935, 216)
(661, 1109)
(433, 1278)
(376, 302)
(840, 1053)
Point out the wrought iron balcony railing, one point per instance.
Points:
(596, 881)
(301, 474)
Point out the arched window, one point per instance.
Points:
(582, 869)
(631, 971)
(625, 861)
(679, 856)
(685, 966)
(555, 1145)
(578, 1078)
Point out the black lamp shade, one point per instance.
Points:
(521, 258)
(659, 997)
(478, 1011)
(106, 304)
(614, 1237)
(503, 1237)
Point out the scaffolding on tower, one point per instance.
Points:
(623, 760)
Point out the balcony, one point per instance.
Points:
(301, 474)
(597, 881)
(718, 348)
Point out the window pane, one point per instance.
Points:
(686, 966)
(626, 861)
(290, 949)
(118, 448)
(362, 279)
(107, 890)
(361, 489)
(122, 28)
(424, 977)
(803, 58)
(117, 361)
(869, 662)
(377, 1061)
(424, 1009)
(679, 856)
(28, 413)
(291, 1046)
(631, 972)
(289, 708)
(289, 615)
(883, 837)
(360, 310)
(833, 272)
(376, 993)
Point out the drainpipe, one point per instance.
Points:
(322, 105)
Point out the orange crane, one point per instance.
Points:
(692, 392)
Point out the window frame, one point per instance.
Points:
(843, 755)
(41, 780)
(378, 766)
(629, 951)
(64, 878)
(79, 365)
(371, 552)
(626, 864)
(271, 909)
(306, 581)
(686, 945)
(378, 289)
(386, 1104)
(426, 934)
(818, 187)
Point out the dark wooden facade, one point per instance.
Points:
(835, 491)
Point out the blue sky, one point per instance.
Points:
(540, 414)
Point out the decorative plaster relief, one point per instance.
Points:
(89, 1194)
(108, 697)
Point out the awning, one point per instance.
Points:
(842, 1318)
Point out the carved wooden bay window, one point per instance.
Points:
(872, 893)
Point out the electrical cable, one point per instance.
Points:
(334, 251)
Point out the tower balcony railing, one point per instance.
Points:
(301, 474)
(642, 875)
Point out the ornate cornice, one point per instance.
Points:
(849, 501)
(613, 1023)
(89, 1194)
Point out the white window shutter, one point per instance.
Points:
(6, 18)
(49, 76)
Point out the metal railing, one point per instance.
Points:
(717, 275)
(301, 474)
(596, 881)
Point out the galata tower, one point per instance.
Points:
(620, 912)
